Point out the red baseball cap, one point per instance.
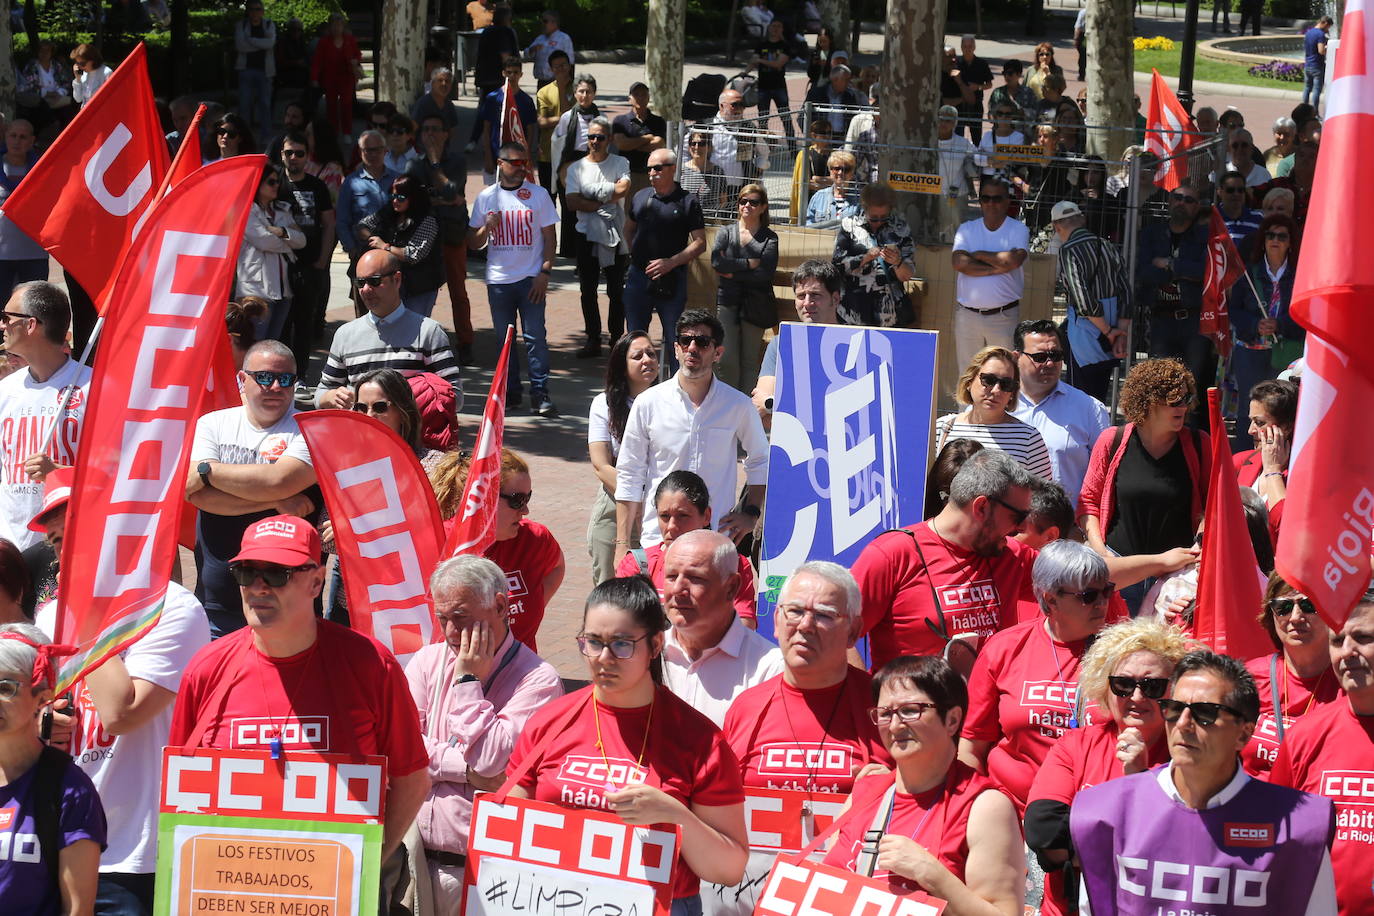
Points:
(282, 539)
(57, 489)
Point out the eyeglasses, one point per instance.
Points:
(596, 138)
(1282, 607)
(795, 615)
(1183, 198)
(226, 132)
(1204, 714)
(1093, 595)
(1152, 688)
(376, 408)
(519, 162)
(1018, 515)
(293, 153)
(273, 576)
(265, 378)
(517, 501)
(374, 149)
(1276, 236)
(1044, 356)
(750, 202)
(989, 380)
(703, 341)
(991, 198)
(907, 712)
(374, 280)
(660, 167)
(16, 316)
(621, 646)
(9, 688)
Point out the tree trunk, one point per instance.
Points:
(913, 46)
(401, 51)
(663, 56)
(1111, 99)
(835, 17)
(8, 85)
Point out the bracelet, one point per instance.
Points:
(620, 541)
(1272, 474)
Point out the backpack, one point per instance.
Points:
(701, 98)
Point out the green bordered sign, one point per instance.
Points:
(914, 182)
(1019, 152)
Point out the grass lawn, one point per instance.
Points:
(1213, 71)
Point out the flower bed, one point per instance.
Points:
(1158, 43)
(1286, 71)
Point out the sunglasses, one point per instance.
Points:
(992, 199)
(1233, 190)
(841, 169)
(517, 501)
(520, 162)
(374, 280)
(400, 198)
(376, 408)
(1276, 236)
(1093, 595)
(736, 105)
(1005, 382)
(1183, 198)
(1045, 356)
(696, 144)
(1019, 515)
(293, 153)
(1152, 688)
(1282, 607)
(16, 316)
(596, 138)
(622, 647)
(1180, 402)
(703, 341)
(907, 712)
(265, 378)
(226, 132)
(750, 202)
(374, 149)
(1204, 714)
(272, 576)
(660, 167)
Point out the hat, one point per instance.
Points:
(948, 111)
(636, 86)
(57, 489)
(1064, 209)
(839, 54)
(282, 539)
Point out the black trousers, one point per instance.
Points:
(589, 272)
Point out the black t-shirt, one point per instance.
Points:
(630, 126)
(1153, 500)
(312, 202)
(663, 225)
(770, 78)
(976, 72)
(949, 87)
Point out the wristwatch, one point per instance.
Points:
(750, 510)
(468, 679)
(203, 469)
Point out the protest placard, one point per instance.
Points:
(820, 890)
(850, 440)
(575, 861)
(240, 832)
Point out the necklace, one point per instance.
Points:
(825, 733)
(275, 745)
(1059, 674)
(601, 746)
(1311, 697)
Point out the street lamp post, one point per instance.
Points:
(1185, 64)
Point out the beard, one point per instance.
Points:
(989, 542)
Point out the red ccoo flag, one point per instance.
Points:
(474, 527)
(1224, 268)
(86, 194)
(512, 130)
(1166, 134)
(1324, 545)
(1228, 587)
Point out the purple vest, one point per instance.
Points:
(1144, 853)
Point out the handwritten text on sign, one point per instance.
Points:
(575, 855)
(317, 787)
(819, 890)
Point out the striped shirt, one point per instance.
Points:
(1017, 438)
(1091, 270)
(404, 340)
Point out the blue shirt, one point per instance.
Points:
(824, 209)
(492, 108)
(1069, 421)
(360, 195)
(1316, 60)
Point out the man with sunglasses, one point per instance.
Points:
(1170, 269)
(491, 113)
(988, 256)
(316, 219)
(1098, 294)
(1069, 420)
(741, 156)
(1240, 158)
(246, 463)
(1234, 203)
(290, 682)
(1199, 835)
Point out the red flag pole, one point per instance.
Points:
(473, 525)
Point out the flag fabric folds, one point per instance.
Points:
(474, 527)
(1167, 124)
(1224, 268)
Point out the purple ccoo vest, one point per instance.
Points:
(1145, 854)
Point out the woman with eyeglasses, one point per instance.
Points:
(933, 824)
(270, 238)
(1124, 674)
(54, 867)
(1293, 679)
(702, 178)
(745, 255)
(668, 763)
(1023, 692)
(527, 551)
(233, 137)
(631, 371)
(1146, 486)
(405, 229)
(1044, 65)
(988, 387)
(840, 198)
(877, 255)
(1268, 339)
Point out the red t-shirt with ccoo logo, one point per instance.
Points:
(1298, 696)
(526, 559)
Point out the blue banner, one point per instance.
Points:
(850, 444)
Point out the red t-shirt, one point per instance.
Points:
(978, 594)
(526, 559)
(686, 756)
(1249, 466)
(805, 740)
(346, 694)
(1330, 752)
(1022, 695)
(653, 557)
(937, 819)
(1298, 696)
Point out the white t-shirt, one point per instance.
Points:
(515, 250)
(1000, 289)
(584, 173)
(229, 437)
(27, 409)
(127, 769)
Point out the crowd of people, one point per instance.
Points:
(1007, 691)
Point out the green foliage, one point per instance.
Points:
(311, 13)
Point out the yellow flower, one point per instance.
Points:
(1158, 43)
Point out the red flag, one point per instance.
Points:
(387, 527)
(474, 527)
(512, 129)
(1228, 588)
(188, 156)
(1166, 134)
(86, 194)
(1324, 544)
(1224, 268)
(131, 466)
